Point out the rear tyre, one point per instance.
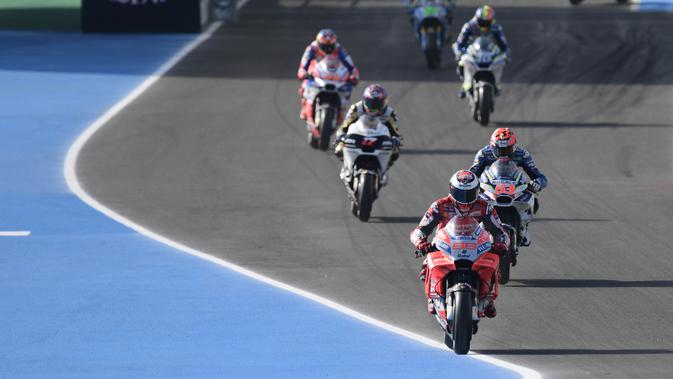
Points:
(327, 117)
(462, 321)
(365, 196)
(485, 104)
(433, 55)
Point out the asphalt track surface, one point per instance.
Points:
(214, 156)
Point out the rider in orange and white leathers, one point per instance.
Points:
(325, 44)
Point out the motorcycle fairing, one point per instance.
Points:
(438, 266)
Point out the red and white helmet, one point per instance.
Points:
(464, 190)
(503, 143)
(327, 40)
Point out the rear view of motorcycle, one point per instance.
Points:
(329, 91)
(505, 187)
(430, 18)
(366, 154)
(482, 64)
(460, 279)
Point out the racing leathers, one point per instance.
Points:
(523, 159)
(387, 118)
(470, 31)
(412, 5)
(441, 212)
(314, 53)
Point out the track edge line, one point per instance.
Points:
(70, 174)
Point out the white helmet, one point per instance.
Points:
(464, 189)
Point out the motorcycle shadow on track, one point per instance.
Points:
(569, 124)
(573, 351)
(590, 283)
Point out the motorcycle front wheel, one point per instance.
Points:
(462, 321)
(485, 104)
(365, 196)
(327, 118)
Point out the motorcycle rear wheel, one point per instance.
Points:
(462, 322)
(433, 55)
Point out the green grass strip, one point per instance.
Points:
(40, 15)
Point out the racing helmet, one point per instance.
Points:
(464, 189)
(485, 17)
(375, 99)
(503, 143)
(326, 40)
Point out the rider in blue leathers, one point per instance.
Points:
(503, 146)
(411, 6)
(483, 23)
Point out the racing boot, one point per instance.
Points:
(302, 114)
(461, 93)
(525, 239)
(384, 179)
(431, 307)
(490, 311)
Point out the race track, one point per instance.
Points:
(214, 156)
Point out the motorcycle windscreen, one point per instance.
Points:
(503, 169)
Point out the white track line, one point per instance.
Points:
(18, 233)
(75, 186)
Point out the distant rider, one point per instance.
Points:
(325, 44)
(411, 5)
(463, 200)
(374, 103)
(482, 24)
(503, 146)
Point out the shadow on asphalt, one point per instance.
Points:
(559, 219)
(562, 124)
(573, 351)
(589, 283)
(404, 151)
(395, 220)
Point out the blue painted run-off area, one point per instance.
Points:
(654, 5)
(86, 297)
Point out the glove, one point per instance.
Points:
(353, 79)
(302, 74)
(534, 186)
(422, 249)
(397, 141)
(499, 248)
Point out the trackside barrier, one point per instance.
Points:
(143, 16)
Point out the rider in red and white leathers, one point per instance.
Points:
(463, 200)
(324, 45)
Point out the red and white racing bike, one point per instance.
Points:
(461, 279)
(327, 95)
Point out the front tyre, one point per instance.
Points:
(485, 104)
(462, 321)
(365, 196)
(327, 117)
